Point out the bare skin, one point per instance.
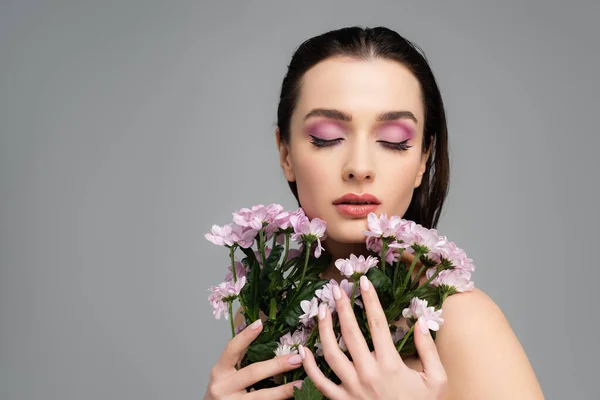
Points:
(346, 136)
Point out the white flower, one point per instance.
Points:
(311, 309)
(284, 349)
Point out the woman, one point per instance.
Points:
(361, 120)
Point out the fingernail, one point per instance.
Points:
(364, 283)
(336, 292)
(322, 311)
(298, 384)
(301, 351)
(295, 359)
(256, 324)
(423, 325)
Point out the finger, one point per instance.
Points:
(258, 371)
(237, 346)
(378, 325)
(276, 393)
(428, 353)
(334, 356)
(353, 337)
(325, 386)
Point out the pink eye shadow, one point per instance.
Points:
(325, 130)
(396, 132)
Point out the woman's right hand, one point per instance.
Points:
(228, 383)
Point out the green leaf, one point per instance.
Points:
(250, 291)
(275, 281)
(308, 391)
(272, 261)
(381, 282)
(261, 351)
(313, 269)
(291, 309)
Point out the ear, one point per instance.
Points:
(423, 164)
(285, 158)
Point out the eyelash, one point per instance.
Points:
(401, 146)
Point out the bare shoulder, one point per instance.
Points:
(480, 352)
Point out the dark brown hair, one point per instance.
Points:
(368, 44)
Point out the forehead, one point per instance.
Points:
(361, 88)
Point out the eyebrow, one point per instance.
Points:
(342, 116)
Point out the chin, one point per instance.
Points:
(348, 231)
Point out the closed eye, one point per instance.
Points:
(396, 146)
(323, 142)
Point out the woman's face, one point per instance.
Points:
(340, 143)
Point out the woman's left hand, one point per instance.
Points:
(381, 374)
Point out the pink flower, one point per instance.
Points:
(382, 226)
(458, 279)
(221, 236)
(342, 344)
(251, 218)
(259, 259)
(325, 294)
(309, 230)
(456, 256)
(391, 255)
(311, 309)
(319, 349)
(223, 293)
(282, 220)
(426, 238)
(355, 265)
(398, 335)
(243, 236)
(259, 217)
(240, 327)
(230, 234)
(418, 310)
(240, 270)
(298, 337)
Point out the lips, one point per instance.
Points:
(357, 199)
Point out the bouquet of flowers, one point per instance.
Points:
(283, 285)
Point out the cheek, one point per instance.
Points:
(314, 175)
(399, 186)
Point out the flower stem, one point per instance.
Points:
(311, 336)
(416, 282)
(399, 347)
(231, 255)
(273, 308)
(287, 249)
(307, 247)
(384, 248)
(353, 294)
(410, 270)
(231, 318)
(274, 240)
(428, 281)
(261, 246)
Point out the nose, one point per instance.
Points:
(359, 165)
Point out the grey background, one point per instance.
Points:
(127, 128)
